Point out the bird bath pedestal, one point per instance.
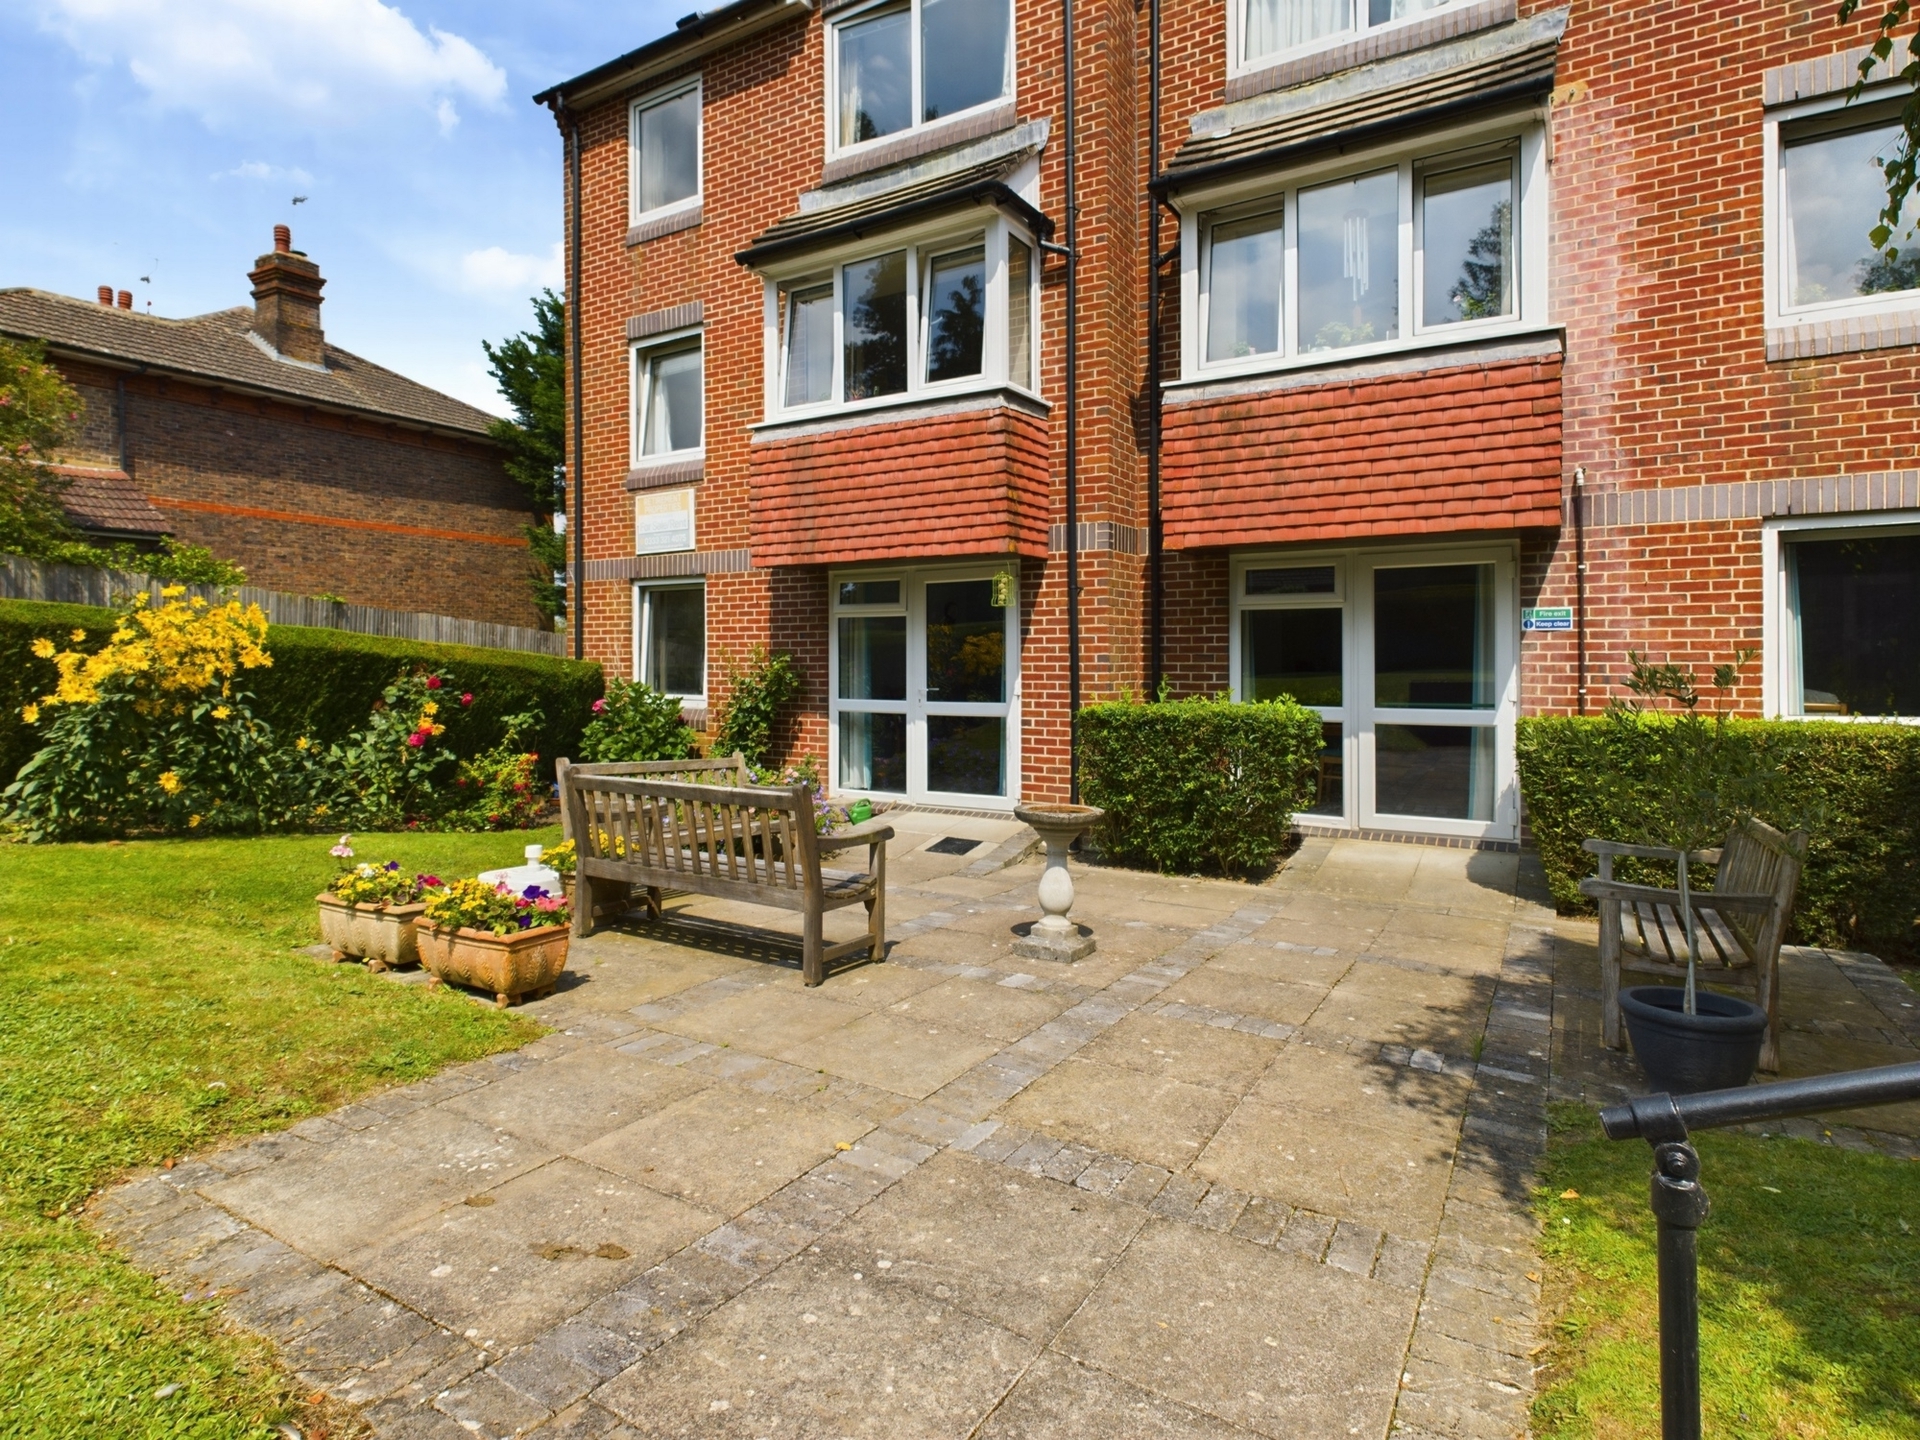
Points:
(1054, 936)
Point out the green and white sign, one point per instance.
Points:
(1552, 617)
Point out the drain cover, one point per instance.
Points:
(953, 845)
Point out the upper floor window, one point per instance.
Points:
(895, 67)
(1830, 192)
(1271, 28)
(664, 138)
(942, 312)
(1417, 248)
(668, 399)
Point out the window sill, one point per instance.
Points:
(666, 471)
(897, 149)
(659, 223)
(892, 408)
(1266, 74)
(1808, 339)
(1423, 352)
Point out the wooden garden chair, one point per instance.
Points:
(1740, 922)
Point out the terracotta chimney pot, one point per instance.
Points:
(286, 301)
(105, 295)
(126, 299)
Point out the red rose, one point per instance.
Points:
(417, 739)
(433, 682)
(467, 699)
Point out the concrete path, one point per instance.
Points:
(1256, 1167)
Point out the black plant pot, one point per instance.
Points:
(1715, 1048)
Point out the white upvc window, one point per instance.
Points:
(1409, 247)
(1842, 621)
(667, 383)
(929, 313)
(1825, 191)
(663, 145)
(896, 67)
(1263, 32)
(670, 638)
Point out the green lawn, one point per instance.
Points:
(1809, 1281)
(153, 1002)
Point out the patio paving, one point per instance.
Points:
(1256, 1167)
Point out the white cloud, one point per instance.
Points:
(497, 271)
(260, 170)
(331, 62)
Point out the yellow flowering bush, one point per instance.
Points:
(163, 655)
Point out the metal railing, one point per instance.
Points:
(1679, 1204)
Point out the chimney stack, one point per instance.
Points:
(106, 294)
(126, 299)
(286, 301)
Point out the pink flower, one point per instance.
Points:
(344, 850)
(467, 699)
(433, 682)
(417, 739)
(599, 707)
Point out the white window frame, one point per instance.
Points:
(1779, 606)
(635, 215)
(921, 244)
(639, 397)
(642, 624)
(917, 102)
(913, 581)
(1410, 159)
(1358, 30)
(1779, 315)
(1358, 715)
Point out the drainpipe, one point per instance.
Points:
(577, 491)
(1156, 618)
(1580, 582)
(1073, 420)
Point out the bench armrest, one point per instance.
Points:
(1649, 852)
(867, 832)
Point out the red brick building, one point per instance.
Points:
(1451, 300)
(318, 472)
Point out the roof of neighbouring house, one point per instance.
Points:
(109, 501)
(221, 349)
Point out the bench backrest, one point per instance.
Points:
(743, 834)
(1759, 860)
(727, 769)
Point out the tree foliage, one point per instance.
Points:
(39, 413)
(531, 370)
(1899, 171)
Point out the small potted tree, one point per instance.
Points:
(491, 938)
(370, 911)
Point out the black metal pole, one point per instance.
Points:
(1156, 645)
(1580, 584)
(1073, 417)
(577, 491)
(1679, 1205)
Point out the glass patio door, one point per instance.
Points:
(1438, 661)
(925, 671)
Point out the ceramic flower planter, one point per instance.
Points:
(512, 967)
(382, 935)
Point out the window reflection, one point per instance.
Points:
(1441, 771)
(673, 401)
(1466, 244)
(873, 657)
(875, 297)
(1292, 652)
(963, 54)
(873, 752)
(1243, 292)
(810, 345)
(1433, 637)
(675, 658)
(1833, 190)
(966, 644)
(876, 79)
(669, 146)
(1859, 630)
(956, 314)
(1349, 262)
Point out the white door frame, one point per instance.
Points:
(1358, 716)
(916, 707)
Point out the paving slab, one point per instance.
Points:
(576, 1099)
(907, 1054)
(1061, 1399)
(1143, 1117)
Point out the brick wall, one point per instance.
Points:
(314, 503)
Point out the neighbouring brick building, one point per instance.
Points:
(1452, 298)
(247, 432)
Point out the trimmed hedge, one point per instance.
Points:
(1855, 787)
(1194, 785)
(323, 682)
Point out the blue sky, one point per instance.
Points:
(166, 138)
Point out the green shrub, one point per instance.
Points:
(1198, 784)
(1855, 787)
(323, 683)
(755, 696)
(635, 722)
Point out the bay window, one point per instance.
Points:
(1416, 249)
(929, 316)
(896, 67)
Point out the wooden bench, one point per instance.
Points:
(647, 830)
(1739, 923)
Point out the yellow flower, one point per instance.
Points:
(30, 714)
(197, 603)
(303, 743)
(221, 712)
(319, 812)
(167, 592)
(43, 647)
(77, 636)
(170, 781)
(429, 708)
(193, 821)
